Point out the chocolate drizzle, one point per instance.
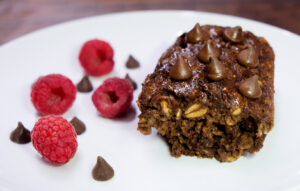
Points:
(102, 170)
(250, 87)
(195, 35)
(248, 57)
(234, 34)
(216, 70)
(181, 70)
(20, 135)
(209, 50)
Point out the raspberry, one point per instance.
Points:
(53, 94)
(55, 139)
(113, 97)
(96, 57)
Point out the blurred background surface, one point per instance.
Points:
(19, 17)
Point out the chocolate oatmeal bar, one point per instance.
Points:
(211, 94)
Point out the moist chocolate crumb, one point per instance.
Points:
(132, 62)
(84, 85)
(78, 125)
(133, 83)
(102, 171)
(20, 135)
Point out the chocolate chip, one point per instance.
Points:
(250, 87)
(216, 70)
(195, 35)
(132, 62)
(248, 57)
(102, 170)
(182, 40)
(181, 70)
(209, 50)
(85, 85)
(233, 34)
(133, 83)
(20, 135)
(78, 125)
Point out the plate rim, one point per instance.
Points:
(158, 11)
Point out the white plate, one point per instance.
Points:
(140, 162)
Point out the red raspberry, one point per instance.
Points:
(55, 139)
(53, 94)
(113, 97)
(96, 57)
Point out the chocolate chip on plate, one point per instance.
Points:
(20, 135)
(216, 70)
(181, 70)
(132, 62)
(78, 125)
(209, 50)
(234, 34)
(195, 35)
(85, 85)
(102, 170)
(248, 57)
(133, 83)
(250, 87)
